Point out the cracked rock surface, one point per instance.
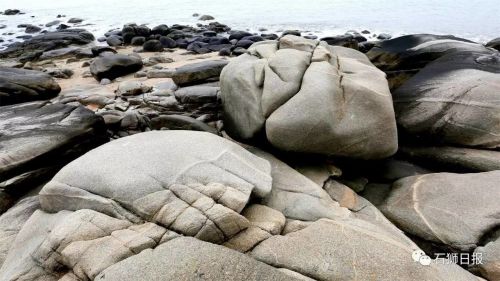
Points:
(455, 210)
(343, 100)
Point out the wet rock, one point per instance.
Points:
(20, 85)
(75, 20)
(11, 12)
(52, 23)
(32, 29)
(114, 41)
(206, 17)
(495, 44)
(138, 41)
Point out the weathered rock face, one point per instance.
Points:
(454, 158)
(191, 259)
(404, 56)
(117, 213)
(198, 72)
(343, 100)
(114, 65)
(12, 221)
(357, 244)
(48, 41)
(37, 138)
(454, 100)
(193, 182)
(22, 85)
(455, 210)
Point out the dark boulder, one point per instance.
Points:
(11, 12)
(168, 42)
(114, 41)
(453, 101)
(138, 41)
(238, 34)
(161, 30)
(75, 20)
(97, 50)
(346, 40)
(401, 57)
(179, 122)
(22, 85)
(291, 32)
(495, 44)
(206, 17)
(32, 29)
(271, 36)
(152, 46)
(244, 44)
(49, 41)
(198, 72)
(253, 38)
(114, 65)
(37, 139)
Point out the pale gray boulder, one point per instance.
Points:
(455, 210)
(194, 183)
(13, 220)
(362, 251)
(455, 100)
(190, 259)
(344, 101)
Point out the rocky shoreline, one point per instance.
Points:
(206, 153)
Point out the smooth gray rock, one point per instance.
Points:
(198, 72)
(191, 259)
(114, 65)
(197, 94)
(344, 101)
(454, 210)
(132, 88)
(22, 85)
(362, 251)
(454, 100)
(179, 122)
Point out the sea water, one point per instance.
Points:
(478, 20)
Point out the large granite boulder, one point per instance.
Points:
(404, 56)
(454, 100)
(38, 138)
(307, 96)
(22, 85)
(350, 250)
(195, 183)
(48, 41)
(452, 210)
(112, 66)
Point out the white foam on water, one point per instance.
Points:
(476, 20)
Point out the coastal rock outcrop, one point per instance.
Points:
(404, 56)
(455, 100)
(48, 41)
(112, 66)
(344, 101)
(495, 44)
(38, 138)
(198, 72)
(22, 85)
